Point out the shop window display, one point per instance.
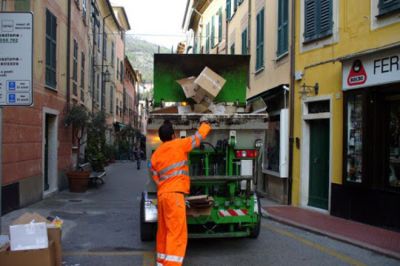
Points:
(271, 153)
(354, 139)
(394, 143)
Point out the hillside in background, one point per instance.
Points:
(140, 54)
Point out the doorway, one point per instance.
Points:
(50, 158)
(316, 155)
(318, 192)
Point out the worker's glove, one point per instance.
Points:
(204, 119)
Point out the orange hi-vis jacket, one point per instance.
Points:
(169, 163)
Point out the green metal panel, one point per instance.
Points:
(171, 67)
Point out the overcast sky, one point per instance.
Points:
(157, 21)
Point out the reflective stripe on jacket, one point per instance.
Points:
(169, 163)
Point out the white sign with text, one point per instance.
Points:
(16, 48)
(372, 69)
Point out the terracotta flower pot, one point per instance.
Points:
(78, 181)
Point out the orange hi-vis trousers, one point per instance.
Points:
(172, 229)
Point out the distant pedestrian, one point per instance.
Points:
(137, 152)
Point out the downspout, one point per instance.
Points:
(94, 53)
(249, 39)
(68, 55)
(102, 66)
(291, 100)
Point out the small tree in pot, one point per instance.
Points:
(78, 118)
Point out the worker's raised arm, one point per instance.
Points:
(193, 141)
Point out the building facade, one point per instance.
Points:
(346, 120)
(70, 63)
(260, 29)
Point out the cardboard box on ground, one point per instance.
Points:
(51, 255)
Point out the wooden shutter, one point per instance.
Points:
(283, 27)
(310, 19)
(220, 25)
(325, 23)
(244, 42)
(388, 6)
(317, 19)
(212, 31)
(228, 9)
(260, 40)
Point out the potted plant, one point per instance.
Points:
(78, 118)
(96, 141)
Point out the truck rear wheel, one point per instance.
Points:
(147, 230)
(256, 230)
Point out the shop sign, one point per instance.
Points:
(16, 42)
(372, 69)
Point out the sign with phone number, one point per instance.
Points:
(16, 48)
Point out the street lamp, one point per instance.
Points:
(107, 76)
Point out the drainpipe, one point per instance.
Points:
(291, 100)
(94, 54)
(68, 54)
(102, 66)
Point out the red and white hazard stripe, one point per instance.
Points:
(233, 212)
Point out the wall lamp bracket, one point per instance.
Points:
(308, 89)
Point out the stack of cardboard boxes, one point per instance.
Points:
(34, 241)
(202, 89)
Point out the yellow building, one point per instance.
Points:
(347, 109)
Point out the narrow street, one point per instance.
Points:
(101, 227)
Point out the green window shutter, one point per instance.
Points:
(208, 38)
(51, 49)
(244, 42)
(235, 4)
(233, 48)
(317, 19)
(310, 19)
(260, 40)
(388, 6)
(326, 23)
(220, 25)
(283, 27)
(212, 31)
(22, 5)
(228, 9)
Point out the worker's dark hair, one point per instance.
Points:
(166, 131)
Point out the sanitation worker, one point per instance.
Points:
(169, 166)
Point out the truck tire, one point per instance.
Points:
(256, 230)
(147, 230)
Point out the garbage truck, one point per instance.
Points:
(227, 164)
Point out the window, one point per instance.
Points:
(393, 154)
(51, 49)
(388, 6)
(220, 25)
(283, 27)
(272, 143)
(83, 76)
(232, 48)
(228, 10)
(111, 100)
(105, 46)
(112, 54)
(75, 69)
(213, 32)
(236, 4)
(354, 138)
(84, 9)
(208, 38)
(317, 19)
(98, 36)
(260, 41)
(97, 90)
(244, 42)
(121, 78)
